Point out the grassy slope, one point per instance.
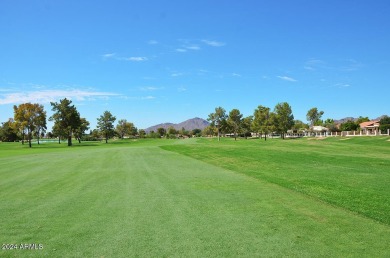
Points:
(350, 173)
(121, 200)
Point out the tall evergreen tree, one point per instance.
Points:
(40, 122)
(234, 121)
(384, 124)
(314, 116)
(284, 118)
(80, 131)
(106, 124)
(261, 121)
(246, 126)
(66, 117)
(218, 119)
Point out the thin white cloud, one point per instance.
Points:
(176, 74)
(309, 68)
(181, 89)
(236, 75)
(47, 96)
(109, 55)
(342, 85)
(121, 58)
(135, 58)
(344, 65)
(148, 97)
(351, 65)
(314, 64)
(181, 50)
(286, 78)
(152, 42)
(194, 47)
(213, 43)
(151, 88)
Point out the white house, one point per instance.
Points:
(319, 128)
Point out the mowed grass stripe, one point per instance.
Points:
(351, 173)
(144, 201)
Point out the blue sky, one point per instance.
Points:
(167, 61)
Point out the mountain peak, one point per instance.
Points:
(190, 124)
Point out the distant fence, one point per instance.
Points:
(313, 134)
(340, 134)
(367, 133)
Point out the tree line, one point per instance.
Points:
(30, 121)
(172, 133)
(263, 121)
(279, 121)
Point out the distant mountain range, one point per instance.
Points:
(199, 123)
(189, 125)
(345, 119)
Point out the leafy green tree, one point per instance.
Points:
(196, 132)
(153, 134)
(299, 126)
(106, 124)
(234, 121)
(171, 133)
(209, 130)
(66, 118)
(314, 116)
(29, 117)
(20, 123)
(218, 120)
(261, 121)
(161, 131)
(184, 132)
(125, 128)
(141, 133)
(50, 135)
(384, 124)
(40, 121)
(95, 134)
(329, 123)
(59, 132)
(246, 126)
(284, 118)
(361, 120)
(80, 131)
(8, 133)
(273, 123)
(20, 130)
(349, 126)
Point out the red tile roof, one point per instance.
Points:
(374, 123)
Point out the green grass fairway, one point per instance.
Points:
(135, 199)
(352, 173)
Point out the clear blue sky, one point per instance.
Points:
(168, 61)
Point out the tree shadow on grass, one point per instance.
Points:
(56, 145)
